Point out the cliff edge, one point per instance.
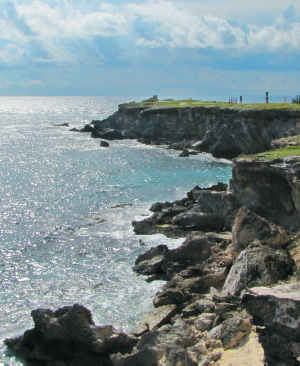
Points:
(223, 132)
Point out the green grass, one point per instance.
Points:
(199, 103)
(283, 152)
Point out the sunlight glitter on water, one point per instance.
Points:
(62, 240)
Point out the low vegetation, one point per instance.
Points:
(170, 103)
(283, 152)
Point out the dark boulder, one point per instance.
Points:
(70, 336)
(104, 143)
(195, 249)
(151, 261)
(87, 128)
(74, 129)
(112, 134)
(185, 153)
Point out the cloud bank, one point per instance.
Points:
(37, 35)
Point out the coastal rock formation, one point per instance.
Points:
(211, 294)
(202, 210)
(269, 188)
(248, 225)
(277, 309)
(223, 132)
(69, 336)
(151, 261)
(210, 213)
(258, 265)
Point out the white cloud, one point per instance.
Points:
(67, 22)
(11, 54)
(175, 26)
(66, 31)
(283, 35)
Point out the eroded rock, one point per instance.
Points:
(210, 213)
(151, 261)
(277, 309)
(258, 265)
(249, 226)
(69, 335)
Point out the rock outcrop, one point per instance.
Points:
(248, 225)
(269, 188)
(204, 209)
(277, 310)
(223, 132)
(69, 336)
(258, 265)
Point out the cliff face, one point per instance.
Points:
(269, 188)
(223, 132)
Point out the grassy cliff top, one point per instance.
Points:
(291, 148)
(283, 152)
(169, 103)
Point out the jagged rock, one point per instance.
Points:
(69, 335)
(151, 261)
(195, 249)
(155, 318)
(190, 310)
(270, 189)
(169, 296)
(87, 128)
(205, 321)
(185, 153)
(205, 306)
(249, 226)
(258, 265)
(222, 308)
(222, 132)
(196, 279)
(112, 134)
(195, 192)
(74, 129)
(234, 329)
(159, 206)
(277, 310)
(154, 347)
(210, 213)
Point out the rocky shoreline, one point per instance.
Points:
(234, 278)
(222, 132)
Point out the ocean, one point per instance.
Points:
(66, 207)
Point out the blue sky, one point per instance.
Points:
(140, 47)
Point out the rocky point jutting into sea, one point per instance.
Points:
(235, 277)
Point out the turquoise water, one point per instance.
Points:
(62, 241)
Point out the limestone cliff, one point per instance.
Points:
(223, 132)
(270, 188)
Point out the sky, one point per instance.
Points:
(146, 47)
